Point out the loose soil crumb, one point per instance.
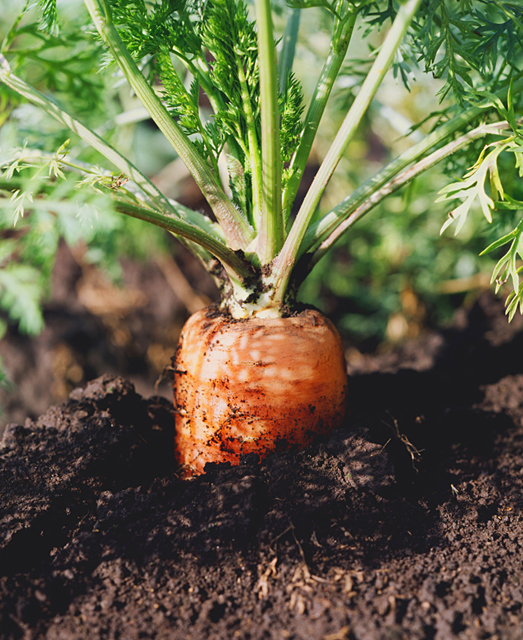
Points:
(406, 523)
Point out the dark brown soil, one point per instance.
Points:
(406, 523)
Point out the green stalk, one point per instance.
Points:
(183, 213)
(199, 68)
(288, 51)
(321, 229)
(231, 261)
(271, 233)
(166, 59)
(86, 134)
(254, 147)
(182, 229)
(235, 226)
(11, 33)
(166, 210)
(317, 106)
(370, 200)
(287, 258)
(156, 197)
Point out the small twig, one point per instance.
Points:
(383, 447)
(302, 554)
(280, 535)
(307, 574)
(415, 454)
(192, 300)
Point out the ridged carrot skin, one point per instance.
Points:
(255, 386)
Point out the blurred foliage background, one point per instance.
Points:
(71, 256)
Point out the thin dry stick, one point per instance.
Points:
(191, 299)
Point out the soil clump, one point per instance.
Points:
(406, 523)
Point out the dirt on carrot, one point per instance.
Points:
(255, 386)
(405, 523)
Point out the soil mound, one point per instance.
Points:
(406, 523)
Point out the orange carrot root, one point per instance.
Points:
(255, 386)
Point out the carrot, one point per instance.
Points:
(255, 386)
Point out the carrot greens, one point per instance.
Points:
(219, 84)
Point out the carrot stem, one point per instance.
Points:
(286, 260)
(317, 106)
(394, 183)
(235, 225)
(271, 233)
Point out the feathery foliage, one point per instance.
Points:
(197, 67)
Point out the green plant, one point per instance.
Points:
(258, 125)
(249, 149)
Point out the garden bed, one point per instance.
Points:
(406, 523)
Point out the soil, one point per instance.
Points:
(405, 523)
